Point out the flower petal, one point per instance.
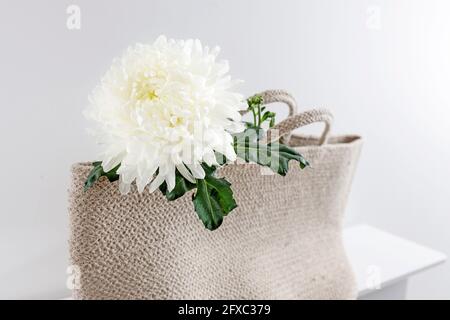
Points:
(124, 188)
(197, 170)
(185, 173)
(156, 182)
(165, 106)
(170, 177)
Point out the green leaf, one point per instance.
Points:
(182, 185)
(220, 158)
(266, 115)
(221, 187)
(284, 154)
(112, 174)
(273, 155)
(93, 176)
(224, 193)
(98, 172)
(272, 122)
(249, 124)
(250, 134)
(207, 206)
(213, 199)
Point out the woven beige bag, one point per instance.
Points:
(282, 242)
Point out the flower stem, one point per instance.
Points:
(259, 115)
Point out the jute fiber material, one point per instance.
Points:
(282, 242)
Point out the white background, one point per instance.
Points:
(382, 67)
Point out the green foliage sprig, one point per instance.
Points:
(213, 198)
(257, 108)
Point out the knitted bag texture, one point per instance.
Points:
(283, 241)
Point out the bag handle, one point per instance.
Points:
(285, 127)
(271, 96)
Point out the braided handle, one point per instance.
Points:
(271, 96)
(285, 127)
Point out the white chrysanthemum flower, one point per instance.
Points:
(163, 107)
